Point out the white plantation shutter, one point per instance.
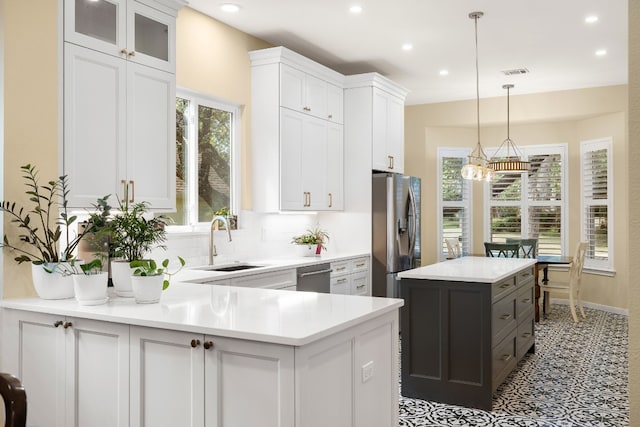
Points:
(454, 199)
(597, 206)
(532, 204)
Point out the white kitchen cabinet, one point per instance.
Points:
(141, 32)
(119, 129)
(297, 137)
(350, 277)
(374, 120)
(274, 280)
(187, 379)
(75, 371)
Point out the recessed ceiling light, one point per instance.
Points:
(444, 72)
(355, 9)
(230, 7)
(601, 52)
(591, 19)
(407, 46)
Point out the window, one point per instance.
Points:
(454, 199)
(597, 204)
(533, 204)
(206, 157)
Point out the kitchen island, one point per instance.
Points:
(465, 325)
(207, 356)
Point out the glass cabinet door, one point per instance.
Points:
(96, 24)
(151, 35)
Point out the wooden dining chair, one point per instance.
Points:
(572, 287)
(453, 248)
(502, 250)
(528, 247)
(15, 401)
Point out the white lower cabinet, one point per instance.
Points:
(75, 371)
(187, 379)
(350, 277)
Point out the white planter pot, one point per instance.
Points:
(307, 250)
(91, 289)
(52, 285)
(121, 277)
(147, 289)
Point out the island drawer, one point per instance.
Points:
(502, 288)
(524, 301)
(503, 318)
(504, 359)
(525, 335)
(524, 275)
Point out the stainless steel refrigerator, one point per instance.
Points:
(396, 230)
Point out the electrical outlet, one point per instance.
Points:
(367, 371)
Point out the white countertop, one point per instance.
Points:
(267, 315)
(469, 269)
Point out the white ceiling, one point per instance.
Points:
(548, 37)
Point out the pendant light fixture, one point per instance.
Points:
(477, 167)
(508, 158)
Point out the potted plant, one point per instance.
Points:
(45, 233)
(133, 234)
(149, 280)
(89, 282)
(312, 242)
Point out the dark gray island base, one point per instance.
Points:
(460, 339)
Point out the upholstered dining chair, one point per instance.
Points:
(15, 401)
(453, 248)
(502, 250)
(572, 287)
(528, 247)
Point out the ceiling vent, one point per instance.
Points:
(515, 72)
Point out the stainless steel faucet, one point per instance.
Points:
(214, 226)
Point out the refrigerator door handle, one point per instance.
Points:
(412, 222)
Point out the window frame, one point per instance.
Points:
(196, 99)
(454, 152)
(524, 203)
(604, 266)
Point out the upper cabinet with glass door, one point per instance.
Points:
(140, 32)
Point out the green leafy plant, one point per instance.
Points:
(133, 235)
(313, 236)
(42, 225)
(149, 267)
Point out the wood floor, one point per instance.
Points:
(577, 377)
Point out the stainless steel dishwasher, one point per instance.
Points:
(314, 278)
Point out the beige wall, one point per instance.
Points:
(30, 111)
(212, 58)
(633, 225)
(600, 112)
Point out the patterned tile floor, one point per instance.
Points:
(578, 377)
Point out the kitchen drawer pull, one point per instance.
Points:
(505, 316)
(195, 343)
(208, 345)
(342, 280)
(526, 335)
(57, 323)
(505, 285)
(506, 357)
(362, 264)
(526, 300)
(313, 273)
(341, 268)
(67, 325)
(360, 286)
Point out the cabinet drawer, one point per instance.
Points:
(503, 318)
(524, 275)
(525, 335)
(360, 264)
(340, 284)
(502, 288)
(504, 359)
(524, 301)
(275, 280)
(339, 267)
(360, 283)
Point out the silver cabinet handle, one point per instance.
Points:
(330, 200)
(133, 191)
(390, 162)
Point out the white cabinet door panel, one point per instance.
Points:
(292, 88)
(291, 160)
(99, 25)
(94, 125)
(314, 162)
(151, 36)
(335, 103)
(151, 127)
(335, 168)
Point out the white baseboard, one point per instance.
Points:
(607, 308)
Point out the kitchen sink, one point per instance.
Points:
(228, 268)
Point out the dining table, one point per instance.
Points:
(543, 262)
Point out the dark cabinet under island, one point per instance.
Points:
(465, 325)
